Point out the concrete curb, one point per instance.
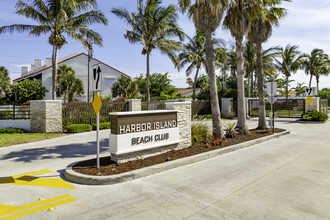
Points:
(135, 174)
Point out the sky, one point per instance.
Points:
(306, 25)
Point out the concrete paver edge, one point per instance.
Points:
(143, 172)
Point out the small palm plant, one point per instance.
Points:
(231, 130)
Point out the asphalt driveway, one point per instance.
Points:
(285, 178)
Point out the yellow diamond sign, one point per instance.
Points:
(309, 100)
(97, 104)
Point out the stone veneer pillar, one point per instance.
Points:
(134, 104)
(46, 116)
(314, 106)
(184, 121)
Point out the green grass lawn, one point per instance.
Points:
(12, 139)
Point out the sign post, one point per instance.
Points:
(272, 91)
(97, 106)
(97, 86)
(310, 91)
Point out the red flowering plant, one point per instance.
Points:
(123, 99)
(216, 142)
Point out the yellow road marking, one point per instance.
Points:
(40, 172)
(29, 179)
(32, 208)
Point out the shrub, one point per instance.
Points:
(5, 114)
(315, 116)
(78, 128)
(200, 133)
(104, 125)
(11, 130)
(230, 130)
(229, 116)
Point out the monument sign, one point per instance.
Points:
(142, 130)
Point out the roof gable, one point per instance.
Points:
(39, 71)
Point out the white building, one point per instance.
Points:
(79, 63)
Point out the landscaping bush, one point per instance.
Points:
(200, 133)
(12, 131)
(78, 128)
(104, 125)
(315, 116)
(229, 116)
(5, 114)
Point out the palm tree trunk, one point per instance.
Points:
(54, 73)
(252, 83)
(317, 85)
(148, 74)
(310, 80)
(218, 131)
(249, 87)
(260, 73)
(287, 92)
(241, 109)
(224, 84)
(195, 83)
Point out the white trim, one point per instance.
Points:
(143, 112)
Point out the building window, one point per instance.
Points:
(109, 82)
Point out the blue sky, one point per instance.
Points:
(307, 25)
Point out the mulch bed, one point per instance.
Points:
(109, 167)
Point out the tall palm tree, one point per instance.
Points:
(237, 21)
(324, 69)
(221, 61)
(153, 26)
(311, 62)
(250, 54)
(67, 83)
(4, 81)
(207, 16)
(266, 14)
(315, 65)
(289, 63)
(59, 18)
(193, 53)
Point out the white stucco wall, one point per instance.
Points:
(23, 124)
(80, 66)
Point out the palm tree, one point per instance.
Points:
(67, 83)
(311, 63)
(193, 53)
(323, 69)
(59, 18)
(300, 89)
(126, 88)
(261, 29)
(289, 63)
(250, 54)
(207, 17)
(153, 26)
(222, 62)
(315, 65)
(4, 81)
(237, 21)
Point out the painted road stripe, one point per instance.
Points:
(43, 205)
(30, 179)
(40, 172)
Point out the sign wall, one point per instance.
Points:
(137, 131)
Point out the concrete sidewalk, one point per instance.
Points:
(286, 178)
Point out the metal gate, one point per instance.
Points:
(292, 108)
